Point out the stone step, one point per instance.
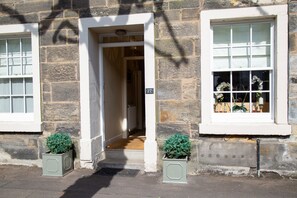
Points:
(122, 164)
(124, 154)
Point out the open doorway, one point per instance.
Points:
(124, 97)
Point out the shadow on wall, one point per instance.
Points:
(82, 8)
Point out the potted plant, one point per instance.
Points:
(177, 149)
(58, 160)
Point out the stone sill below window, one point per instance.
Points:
(245, 129)
(25, 126)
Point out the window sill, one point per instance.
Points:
(20, 127)
(245, 129)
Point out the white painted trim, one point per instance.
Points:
(280, 125)
(26, 122)
(85, 25)
(122, 44)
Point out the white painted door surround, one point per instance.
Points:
(92, 130)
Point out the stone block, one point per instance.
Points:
(42, 54)
(65, 91)
(293, 43)
(278, 156)
(62, 4)
(92, 12)
(179, 111)
(190, 14)
(72, 128)
(171, 47)
(42, 146)
(189, 89)
(46, 97)
(59, 72)
(49, 127)
(47, 38)
(78, 4)
(16, 19)
(293, 23)
(28, 7)
(179, 68)
(292, 7)
(293, 111)
(293, 90)
(179, 4)
(61, 112)
(62, 53)
(197, 46)
(166, 130)
(22, 147)
(71, 13)
(213, 152)
(46, 87)
(169, 89)
(294, 129)
(50, 15)
(66, 24)
(211, 4)
(193, 162)
(293, 64)
(178, 29)
(167, 16)
(160, 6)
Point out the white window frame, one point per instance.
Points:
(24, 122)
(279, 125)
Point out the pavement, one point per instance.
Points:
(22, 181)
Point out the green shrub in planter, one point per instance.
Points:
(59, 143)
(177, 149)
(177, 146)
(59, 160)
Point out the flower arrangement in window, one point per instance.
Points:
(221, 87)
(256, 79)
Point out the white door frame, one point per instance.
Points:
(91, 123)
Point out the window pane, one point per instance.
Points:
(260, 102)
(221, 36)
(17, 104)
(29, 104)
(3, 67)
(27, 64)
(26, 47)
(240, 57)
(261, 57)
(222, 103)
(221, 58)
(13, 47)
(29, 86)
(221, 81)
(4, 105)
(241, 34)
(2, 48)
(240, 81)
(241, 103)
(17, 86)
(15, 67)
(260, 80)
(4, 87)
(261, 33)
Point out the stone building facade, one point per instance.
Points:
(178, 85)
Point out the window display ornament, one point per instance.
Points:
(256, 79)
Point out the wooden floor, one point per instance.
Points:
(134, 142)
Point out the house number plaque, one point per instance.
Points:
(149, 90)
